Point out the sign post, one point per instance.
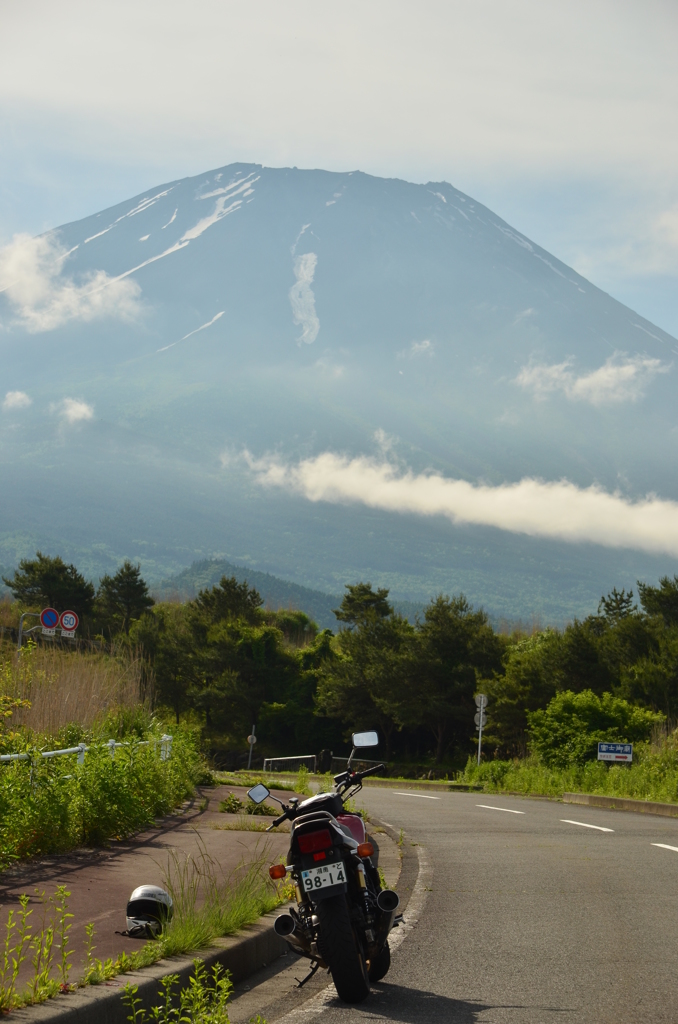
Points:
(69, 623)
(251, 739)
(615, 752)
(21, 627)
(49, 617)
(480, 719)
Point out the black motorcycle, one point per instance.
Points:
(343, 916)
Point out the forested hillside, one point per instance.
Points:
(224, 661)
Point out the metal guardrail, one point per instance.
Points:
(164, 741)
(281, 764)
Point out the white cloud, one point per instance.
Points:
(619, 379)
(43, 297)
(16, 400)
(417, 348)
(558, 510)
(74, 410)
(302, 299)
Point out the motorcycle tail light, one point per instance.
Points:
(365, 850)
(278, 871)
(313, 841)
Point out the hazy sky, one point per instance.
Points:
(561, 116)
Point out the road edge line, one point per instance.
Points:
(411, 915)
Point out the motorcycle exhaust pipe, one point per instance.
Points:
(284, 925)
(388, 901)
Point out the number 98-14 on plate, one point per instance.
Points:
(321, 877)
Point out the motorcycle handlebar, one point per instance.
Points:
(279, 821)
(371, 771)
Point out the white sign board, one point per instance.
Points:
(615, 751)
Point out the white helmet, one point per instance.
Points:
(148, 909)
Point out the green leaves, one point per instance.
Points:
(122, 598)
(568, 730)
(44, 580)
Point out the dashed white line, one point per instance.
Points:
(665, 847)
(584, 824)
(422, 796)
(508, 810)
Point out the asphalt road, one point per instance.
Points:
(526, 917)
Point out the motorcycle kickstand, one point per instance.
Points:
(300, 984)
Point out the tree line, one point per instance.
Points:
(228, 662)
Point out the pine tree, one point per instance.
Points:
(44, 580)
(123, 597)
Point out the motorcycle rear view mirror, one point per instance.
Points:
(365, 739)
(258, 793)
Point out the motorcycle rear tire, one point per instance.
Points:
(340, 950)
(380, 964)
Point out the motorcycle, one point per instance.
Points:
(343, 916)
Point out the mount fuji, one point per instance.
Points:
(331, 377)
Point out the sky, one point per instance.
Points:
(560, 116)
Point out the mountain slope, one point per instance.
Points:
(303, 312)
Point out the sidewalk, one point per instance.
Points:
(101, 881)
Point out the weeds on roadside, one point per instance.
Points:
(202, 1001)
(652, 776)
(52, 805)
(21, 941)
(301, 786)
(233, 805)
(207, 904)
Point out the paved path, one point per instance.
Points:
(101, 881)
(531, 919)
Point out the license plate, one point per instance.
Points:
(323, 877)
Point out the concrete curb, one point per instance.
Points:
(616, 803)
(369, 783)
(242, 954)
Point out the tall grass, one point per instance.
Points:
(53, 805)
(64, 687)
(653, 775)
(208, 903)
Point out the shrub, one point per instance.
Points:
(48, 806)
(568, 730)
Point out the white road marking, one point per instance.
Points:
(508, 810)
(422, 796)
(585, 824)
(665, 847)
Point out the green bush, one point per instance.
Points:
(568, 730)
(52, 805)
(653, 775)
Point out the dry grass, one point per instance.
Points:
(65, 687)
(9, 614)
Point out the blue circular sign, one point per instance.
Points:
(49, 617)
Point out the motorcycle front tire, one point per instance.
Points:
(340, 950)
(380, 964)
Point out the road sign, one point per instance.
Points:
(615, 751)
(69, 622)
(49, 618)
(251, 740)
(481, 700)
(480, 718)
